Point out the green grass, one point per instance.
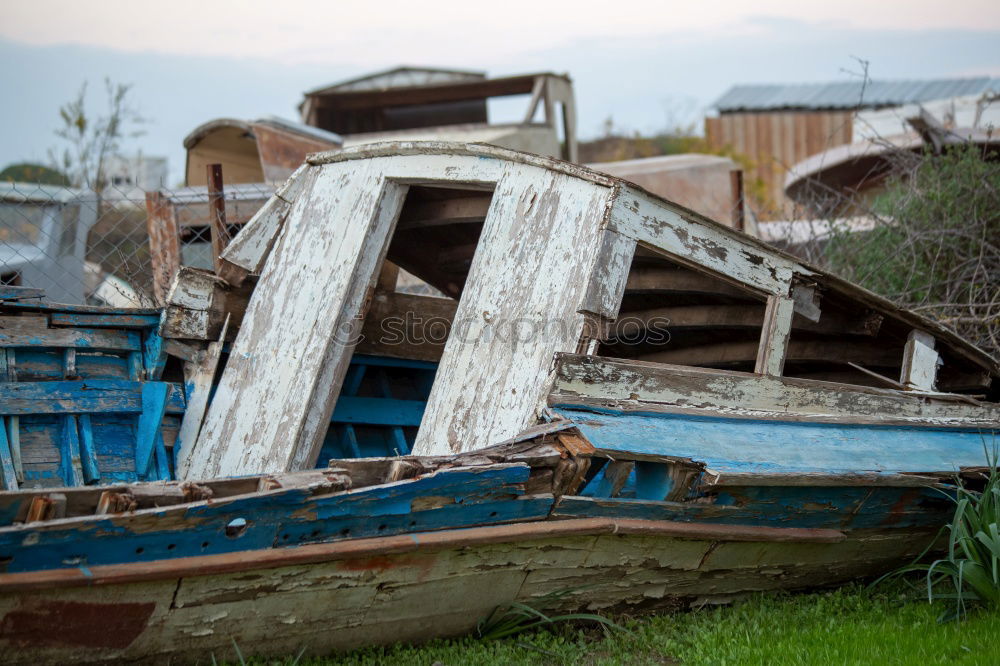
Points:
(852, 625)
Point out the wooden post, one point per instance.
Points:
(774, 336)
(164, 243)
(217, 213)
(736, 180)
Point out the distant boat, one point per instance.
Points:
(618, 398)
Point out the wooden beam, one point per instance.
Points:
(536, 96)
(655, 279)
(746, 316)
(865, 353)
(774, 336)
(437, 212)
(640, 386)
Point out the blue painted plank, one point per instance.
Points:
(12, 428)
(153, 356)
(47, 364)
(451, 516)
(81, 397)
(378, 411)
(104, 320)
(466, 496)
(75, 338)
(161, 461)
(41, 306)
(777, 447)
(88, 450)
(71, 468)
(9, 292)
(8, 475)
(154, 404)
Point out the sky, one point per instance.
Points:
(645, 65)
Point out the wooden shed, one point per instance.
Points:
(777, 126)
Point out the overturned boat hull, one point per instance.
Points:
(338, 596)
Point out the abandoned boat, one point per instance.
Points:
(610, 395)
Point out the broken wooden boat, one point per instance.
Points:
(614, 397)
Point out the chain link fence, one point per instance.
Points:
(120, 248)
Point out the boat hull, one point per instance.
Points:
(330, 597)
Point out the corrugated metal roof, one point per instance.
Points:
(849, 94)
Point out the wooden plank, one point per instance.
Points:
(611, 273)
(436, 212)
(726, 353)
(696, 240)
(9, 292)
(639, 386)
(774, 336)
(69, 364)
(748, 316)
(727, 445)
(92, 396)
(26, 323)
(77, 338)
(249, 249)
(12, 427)
(199, 374)
(88, 450)
(164, 242)
(495, 371)
(104, 320)
(656, 279)
(71, 467)
(540, 531)
(68, 308)
(154, 405)
(154, 358)
(380, 411)
(448, 498)
(920, 361)
(8, 473)
(276, 422)
(407, 326)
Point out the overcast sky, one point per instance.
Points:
(645, 64)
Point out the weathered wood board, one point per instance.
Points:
(495, 368)
(657, 387)
(274, 400)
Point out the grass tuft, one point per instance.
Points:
(969, 573)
